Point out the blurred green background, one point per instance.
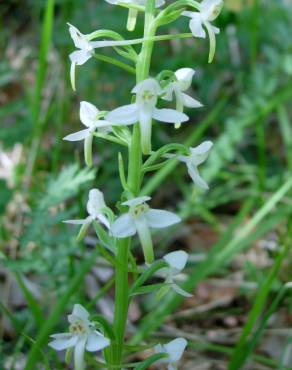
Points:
(247, 94)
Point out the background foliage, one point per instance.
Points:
(245, 219)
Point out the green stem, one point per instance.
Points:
(115, 62)
(134, 183)
(121, 301)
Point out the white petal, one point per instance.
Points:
(79, 222)
(185, 76)
(180, 291)
(168, 92)
(189, 14)
(103, 125)
(123, 226)
(149, 84)
(63, 341)
(79, 354)
(78, 38)
(190, 102)
(77, 136)
(159, 219)
(210, 9)
(95, 202)
(80, 57)
(182, 158)
(88, 113)
(197, 179)
(177, 259)
(200, 153)
(96, 342)
(216, 30)
(196, 26)
(125, 115)
(102, 219)
(80, 312)
(169, 116)
(176, 348)
(136, 201)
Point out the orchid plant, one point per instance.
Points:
(115, 230)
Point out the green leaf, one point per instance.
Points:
(31, 301)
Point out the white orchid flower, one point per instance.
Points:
(208, 12)
(140, 219)
(176, 261)
(96, 212)
(86, 48)
(174, 350)
(90, 117)
(197, 156)
(81, 336)
(176, 88)
(144, 110)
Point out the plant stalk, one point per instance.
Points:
(134, 184)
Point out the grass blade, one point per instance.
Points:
(243, 348)
(46, 37)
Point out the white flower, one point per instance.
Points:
(95, 208)
(90, 117)
(144, 110)
(208, 12)
(86, 48)
(174, 350)
(140, 219)
(176, 89)
(82, 336)
(177, 261)
(197, 156)
(158, 3)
